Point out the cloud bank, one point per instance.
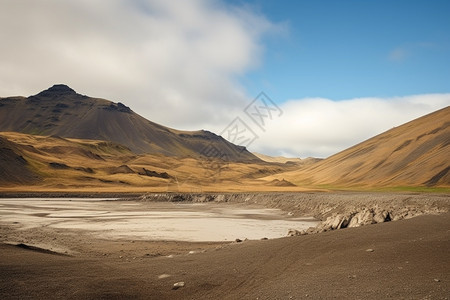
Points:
(178, 63)
(322, 127)
(175, 62)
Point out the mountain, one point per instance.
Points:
(287, 160)
(60, 111)
(277, 159)
(414, 154)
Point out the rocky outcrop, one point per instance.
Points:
(365, 216)
(334, 210)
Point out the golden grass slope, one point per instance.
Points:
(414, 154)
(75, 165)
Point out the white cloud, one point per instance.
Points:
(177, 63)
(174, 62)
(322, 127)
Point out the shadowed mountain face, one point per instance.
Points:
(14, 168)
(414, 154)
(61, 111)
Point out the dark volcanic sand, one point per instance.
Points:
(410, 260)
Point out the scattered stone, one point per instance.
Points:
(178, 285)
(295, 232)
(370, 250)
(290, 213)
(121, 256)
(238, 241)
(162, 276)
(264, 239)
(192, 252)
(437, 280)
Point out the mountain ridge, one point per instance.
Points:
(61, 111)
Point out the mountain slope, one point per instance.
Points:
(290, 160)
(277, 159)
(414, 154)
(14, 168)
(51, 163)
(63, 112)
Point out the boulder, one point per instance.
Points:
(381, 216)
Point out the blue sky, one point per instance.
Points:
(347, 49)
(340, 71)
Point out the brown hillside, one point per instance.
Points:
(414, 154)
(64, 164)
(14, 168)
(61, 111)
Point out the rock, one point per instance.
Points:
(178, 285)
(345, 220)
(238, 240)
(381, 216)
(335, 222)
(364, 217)
(354, 222)
(370, 250)
(311, 230)
(437, 280)
(294, 232)
(162, 276)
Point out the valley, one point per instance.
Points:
(190, 215)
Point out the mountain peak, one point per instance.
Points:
(57, 90)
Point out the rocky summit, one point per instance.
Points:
(61, 111)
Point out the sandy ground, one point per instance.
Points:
(408, 259)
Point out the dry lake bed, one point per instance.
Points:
(115, 219)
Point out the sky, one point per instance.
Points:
(301, 78)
